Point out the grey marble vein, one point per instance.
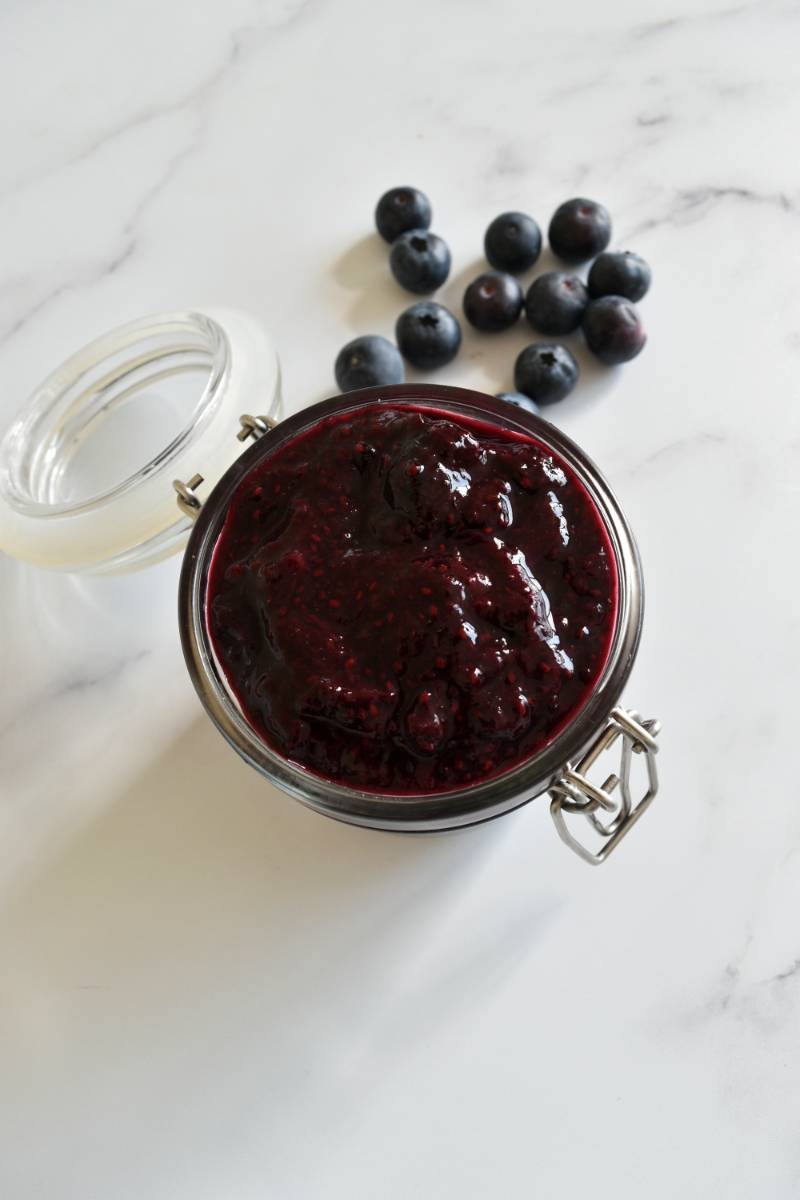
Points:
(791, 972)
(702, 199)
(94, 275)
(64, 688)
(647, 30)
(143, 117)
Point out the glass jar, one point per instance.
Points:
(105, 470)
(596, 726)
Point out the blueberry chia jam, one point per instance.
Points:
(406, 600)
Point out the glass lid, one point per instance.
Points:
(86, 468)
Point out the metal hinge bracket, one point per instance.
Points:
(573, 791)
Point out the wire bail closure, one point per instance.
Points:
(574, 792)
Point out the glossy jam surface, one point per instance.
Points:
(408, 601)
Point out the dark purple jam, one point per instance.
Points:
(406, 600)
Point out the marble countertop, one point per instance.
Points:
(209, 991)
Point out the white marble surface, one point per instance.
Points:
(208, 991)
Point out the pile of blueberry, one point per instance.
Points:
(557, 303)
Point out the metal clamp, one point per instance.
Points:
(188, 501)
(573, 792)
(254, 427)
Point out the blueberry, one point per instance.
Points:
(613, 329)
(520, 400)
(420, 260)
(513, 242)
(428, 335)
(580, 229)
(401, 209)
(556, 302)
(493, 301)
(546, 373)
(368, 361)
(621, 274)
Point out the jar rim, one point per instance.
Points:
(466, 805)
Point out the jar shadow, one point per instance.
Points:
(207, 938)
(364, 261)
(376, 298)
